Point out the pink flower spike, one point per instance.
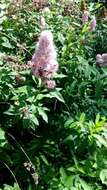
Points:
(85, 17)
(92, 25)
(44, 62)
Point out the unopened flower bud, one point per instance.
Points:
(50, 84)
(92, 25)
(42, 22)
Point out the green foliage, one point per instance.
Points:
(2, 138)
(8, 187)
(52, 139)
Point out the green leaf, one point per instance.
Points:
(22, 89)
(103, 176)
(100, 140)
(43, 114)
(104, 25)
(63, 174)
(85, 28)
(40, 97)
(61, 38)
(69, 181)
(11, 111)
(76, 24)
(8, 187)
(2, 6)
(2, 138)
(34, 119)
(6, 43)
(31, 99)
(97, 119)
(59, 75)
(84, 185)
(26, 123)
(44, 159)
(82, 118)
(57, 95)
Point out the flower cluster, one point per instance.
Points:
(40, 4)
(71, 8)
(85, 17)
(49, 83)
(44, 63)
(101, 59)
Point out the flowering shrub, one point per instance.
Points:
(53, 104)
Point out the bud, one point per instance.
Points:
(46, 10)
(92, 25)
(85, 17)
(49, 84)
(42, 23)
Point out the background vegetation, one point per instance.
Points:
(53, 139)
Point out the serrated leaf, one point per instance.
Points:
(43, 114)
(34, 119)
(101, 140)
(57, 95)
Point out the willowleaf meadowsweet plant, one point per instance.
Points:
(53, 122)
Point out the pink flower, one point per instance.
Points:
(85, 17)
(99, 58)
(49, 84)
(44, 63)
(104, 57)
(44, 59)
(92, 25)
(50, 68)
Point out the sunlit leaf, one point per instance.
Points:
(103, 176)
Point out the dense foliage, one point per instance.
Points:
(53, 139)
